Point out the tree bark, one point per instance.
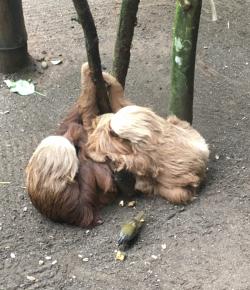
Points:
(124, 39)
(93, 55)
(13, 37)
(185, 34)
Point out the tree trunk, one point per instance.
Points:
(92, 47)
(185, 35)
(13, 37)
(124, 38)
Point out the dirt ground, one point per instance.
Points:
(208, 241)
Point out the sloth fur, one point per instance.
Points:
(62, 183)
(167, 156)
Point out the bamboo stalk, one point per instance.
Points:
(185, 34)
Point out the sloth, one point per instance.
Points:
(167, 156)
(62, 182)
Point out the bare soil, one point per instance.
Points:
(208, 241)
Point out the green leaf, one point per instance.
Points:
(9, 83)
(21, 87)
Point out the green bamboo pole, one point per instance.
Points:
(185, 34)
(93, 55)
(13, 37)
(125, 33)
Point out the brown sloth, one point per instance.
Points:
(168, 157)
(62, 183)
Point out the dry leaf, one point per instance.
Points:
(31, 278)
(56, 61)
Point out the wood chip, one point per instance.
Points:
(31, 278)
(120, 256)
(4, 112)
(132, 203)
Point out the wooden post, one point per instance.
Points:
(13, 37)
(124, 39)
(185, 34)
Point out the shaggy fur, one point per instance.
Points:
(168, 157)
(63, 184)
(87, 102)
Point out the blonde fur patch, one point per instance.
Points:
(53, 164)
(136, 125)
